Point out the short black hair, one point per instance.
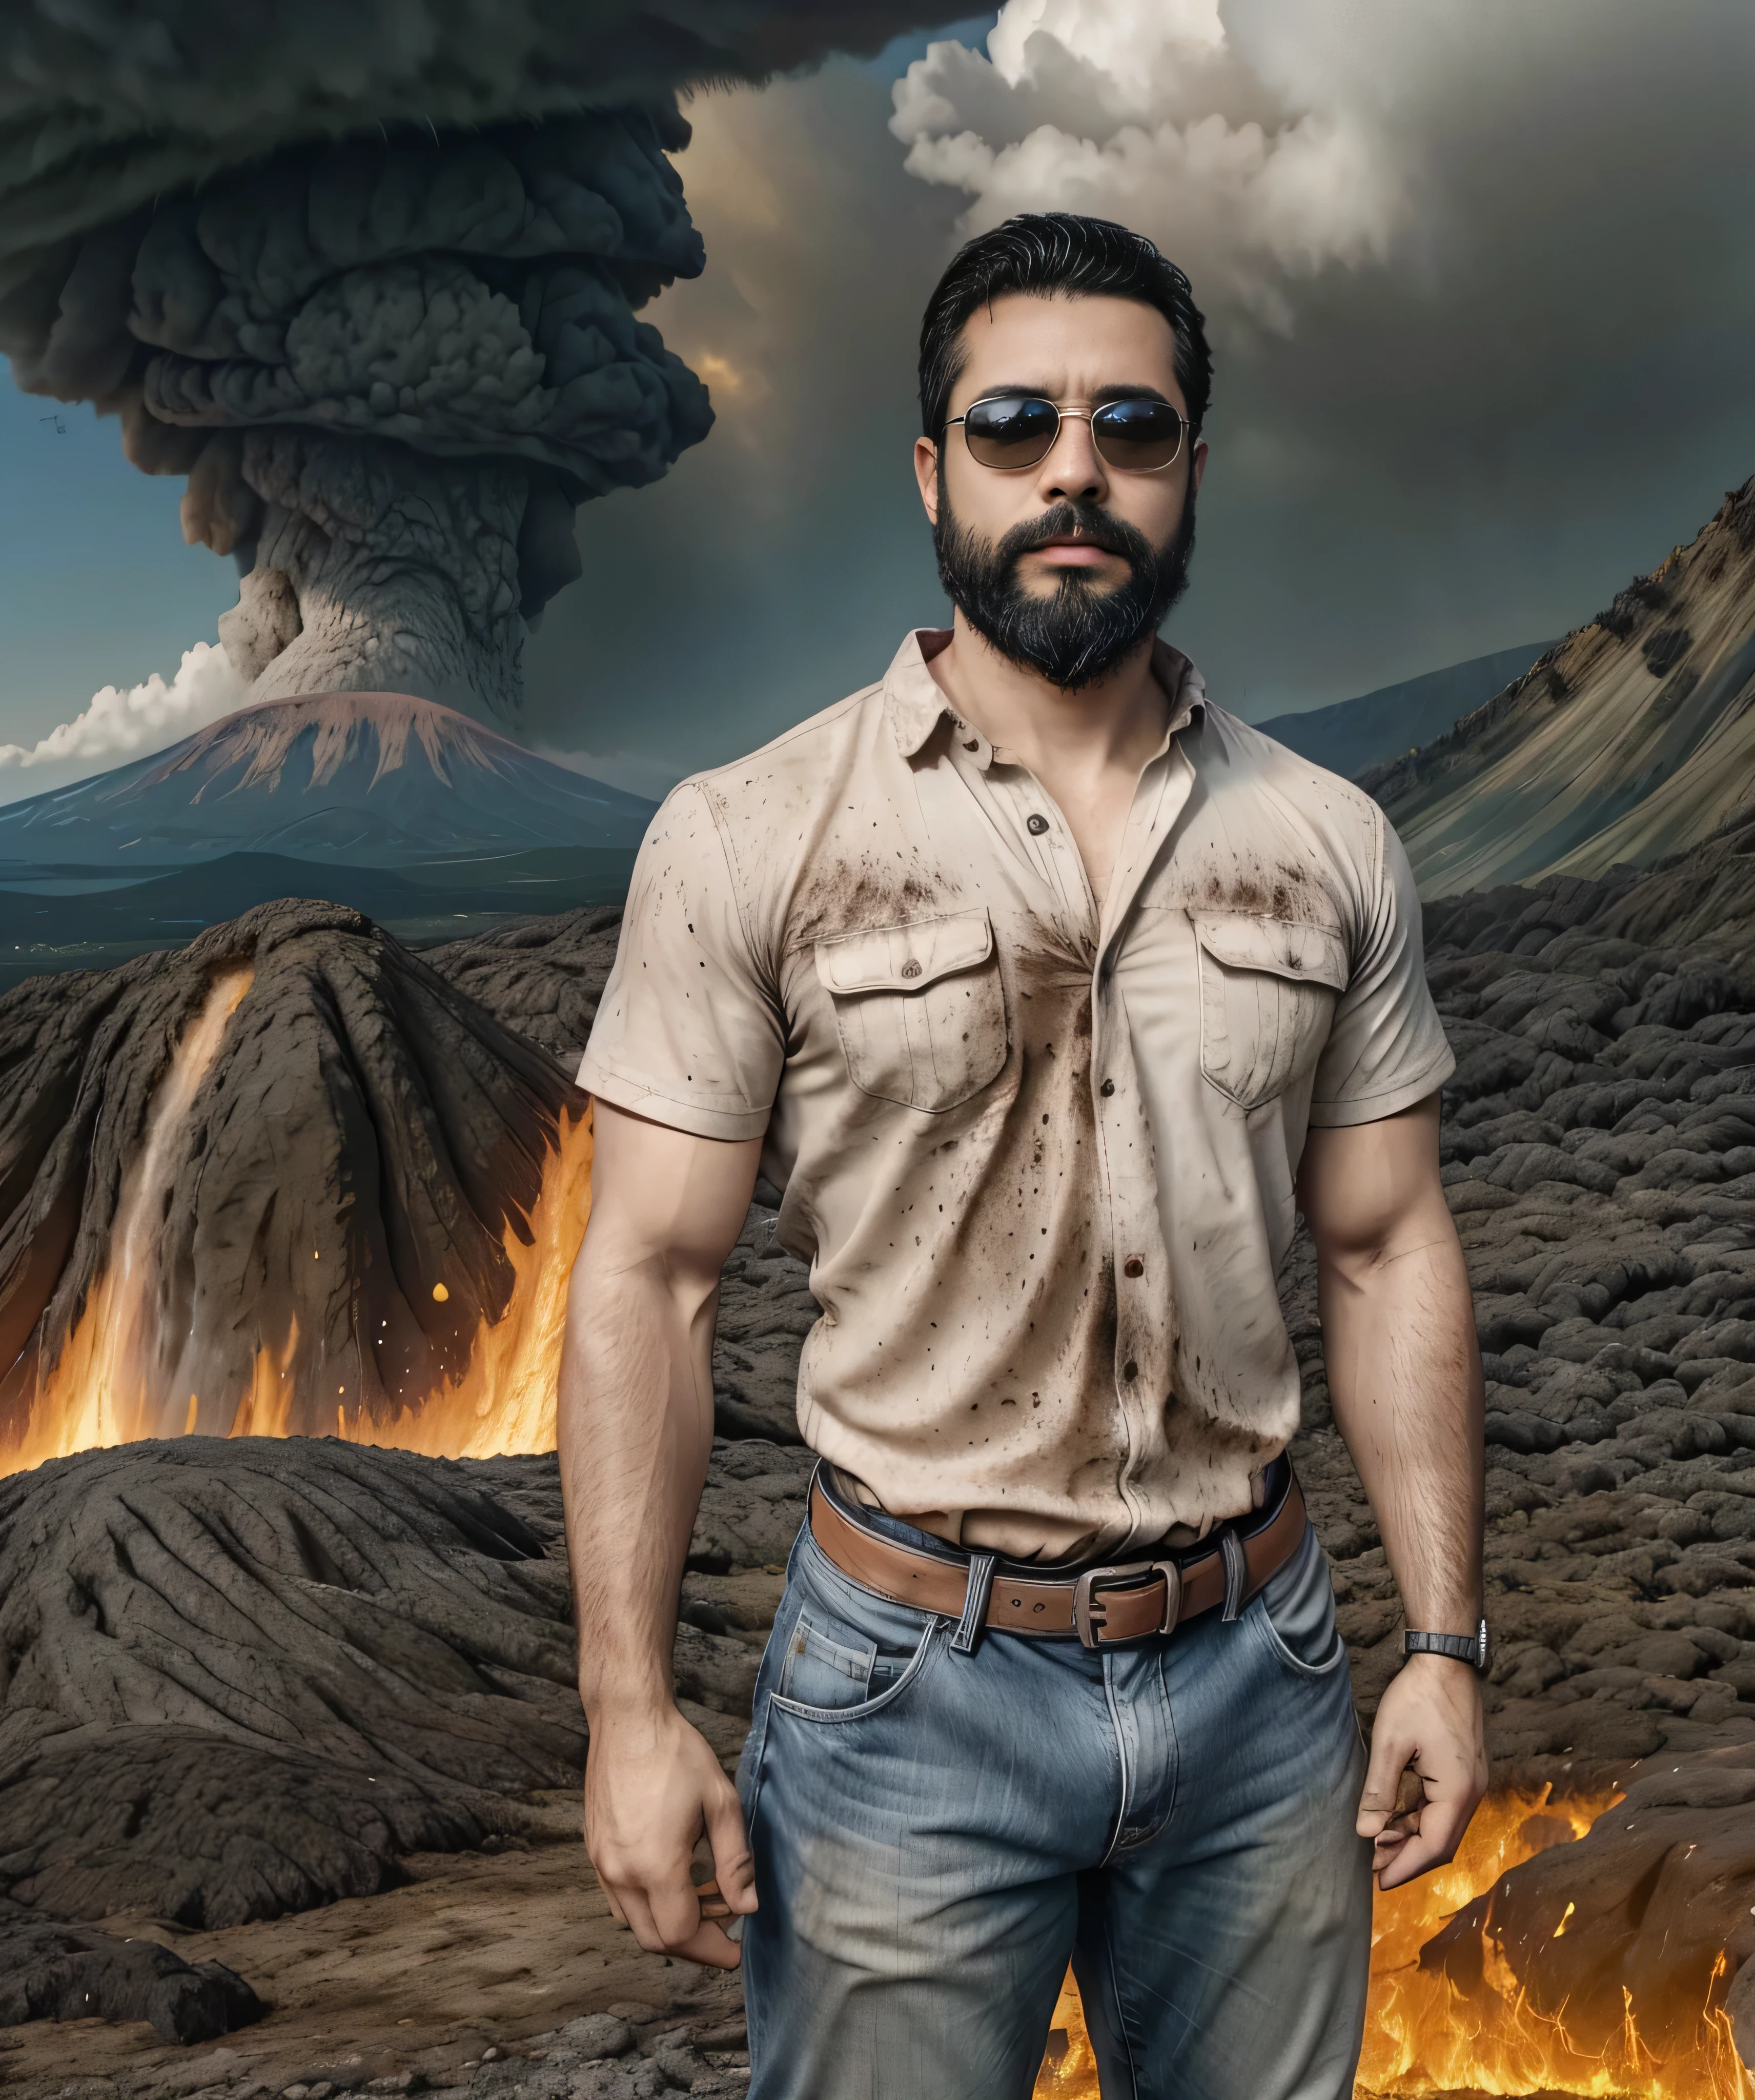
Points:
(1045, 253)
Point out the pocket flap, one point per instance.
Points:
(1288, 947)
(905, 958)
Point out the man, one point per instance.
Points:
(1038, 984)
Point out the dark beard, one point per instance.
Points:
(1081, 633)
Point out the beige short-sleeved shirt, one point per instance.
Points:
(1041, 1162)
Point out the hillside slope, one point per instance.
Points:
(1631, 740)
(1386, 723)
(364, 779)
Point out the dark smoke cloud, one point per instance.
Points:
(107, 105)
(233, 225)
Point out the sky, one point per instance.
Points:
(1479, 278)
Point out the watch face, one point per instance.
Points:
(1481, 1648)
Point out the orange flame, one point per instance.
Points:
(503, 1401)
(1424, 2038)
(100, 1392)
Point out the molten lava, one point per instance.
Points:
(1425, 2040)
(103, 1389)
(100, 1392)
(505, 1401)
(1425, 2035)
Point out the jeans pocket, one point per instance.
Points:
(1295, 1609)
(826, 1664)
(847, 1652)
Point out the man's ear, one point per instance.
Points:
(1200, 468)
(926, 473)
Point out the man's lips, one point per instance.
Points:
(1069, 553)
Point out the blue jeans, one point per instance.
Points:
(936, 1834)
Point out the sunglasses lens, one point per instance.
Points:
(1011, 431)
(1139, 435)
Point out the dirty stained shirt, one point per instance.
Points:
(1040, 1158)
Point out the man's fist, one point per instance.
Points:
(653, 1787)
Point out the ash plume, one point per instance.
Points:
(369, 278)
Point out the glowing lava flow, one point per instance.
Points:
(1425, 2040)
(505, 1401)
(101, 1390)
(1424, 2036)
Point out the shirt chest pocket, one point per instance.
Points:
(920, 1009)
(1268, 988)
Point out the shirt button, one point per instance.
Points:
(911, 968)
(1133, 1266)
(1036, 824)
(1130, 1370)
(1107, 1089)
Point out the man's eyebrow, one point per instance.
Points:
(1124, 391)
(1138, 393)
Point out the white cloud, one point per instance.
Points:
(1144, 111)
(121, 723)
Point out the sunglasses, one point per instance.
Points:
(1014, 431)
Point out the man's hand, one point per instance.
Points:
(636, 1431)
(652, 1787)
(1428, 1768)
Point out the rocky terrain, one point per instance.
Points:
(291, 1135)
(170, 1789)
(1630, 739)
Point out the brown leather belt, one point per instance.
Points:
(1102, 1606)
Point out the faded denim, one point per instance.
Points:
(936, 1834)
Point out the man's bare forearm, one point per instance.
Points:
(636, 1431)
(636, 1391)
(1405, 1379)
(1398, 1333)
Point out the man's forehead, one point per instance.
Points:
(1047, 341)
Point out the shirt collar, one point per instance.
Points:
(916, 704)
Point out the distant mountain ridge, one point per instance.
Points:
(380, 780)
(1630, 741)
(1387, 723)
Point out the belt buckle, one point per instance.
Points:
(1089, 1614)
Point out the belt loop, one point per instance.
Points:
(1236, 1571)
(970, 1627)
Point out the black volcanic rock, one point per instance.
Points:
(55, 1972)
(1632, 1916)
(336, 1191)
(542, 977)
(243, 1677)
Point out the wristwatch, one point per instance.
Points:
(1462, 1647)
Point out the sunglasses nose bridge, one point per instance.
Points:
(1083, 467)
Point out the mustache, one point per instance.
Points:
(1093, 525)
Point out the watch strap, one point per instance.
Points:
(1471, 1649)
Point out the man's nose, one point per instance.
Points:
(1074, 471)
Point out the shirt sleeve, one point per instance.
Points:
(1387, 1048)
(688, 1032)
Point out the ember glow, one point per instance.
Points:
(1426, 2040)
(1424, 2037)
(505, 1401)
(99, 1391)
